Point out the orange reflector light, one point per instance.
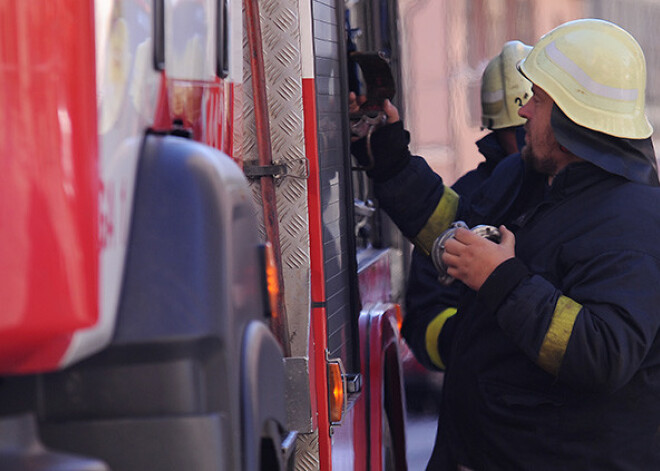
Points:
(399, 316)
(272, 282)
(336, 392)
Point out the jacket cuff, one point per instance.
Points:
(389, 146)
(501, 282)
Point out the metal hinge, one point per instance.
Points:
(297, 168)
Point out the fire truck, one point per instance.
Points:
(194, 273)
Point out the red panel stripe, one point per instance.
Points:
(313, 191)
(319, 320)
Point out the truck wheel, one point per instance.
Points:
(388, 459)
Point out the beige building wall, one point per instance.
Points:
(448, 44)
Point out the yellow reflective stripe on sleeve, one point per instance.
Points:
(432, 334)
(556, 339)
(443, 215)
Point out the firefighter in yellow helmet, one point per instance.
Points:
(553, 356)
(503, 92)
(503, 89)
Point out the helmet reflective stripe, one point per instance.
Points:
(596, 74)
(503, 89)
(492, 97)
(587, 82)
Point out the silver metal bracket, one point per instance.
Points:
(487, 232)
(258, 171)
(278, 169)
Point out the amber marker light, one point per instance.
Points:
(336, 390)
(272, 282)
(398, 314)
(272, 285)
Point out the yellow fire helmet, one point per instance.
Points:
(503, 89)
(596, 73)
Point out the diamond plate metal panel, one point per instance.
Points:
(307, 452)
(281, 45)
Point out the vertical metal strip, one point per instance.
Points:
(280, 22)
(271, 222)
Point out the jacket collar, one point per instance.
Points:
(576, 177)
(490, 148)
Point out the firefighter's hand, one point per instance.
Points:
(391, 112)
(354, 102)
(387, 152)
(472, 258)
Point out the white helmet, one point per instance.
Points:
(503, 89)
(596, 73)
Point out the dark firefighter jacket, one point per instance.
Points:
(555, 362)
(426, 299)
(493, 153)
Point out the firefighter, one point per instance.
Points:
(553, 361)
(503, 92)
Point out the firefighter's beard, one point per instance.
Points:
(544, 165)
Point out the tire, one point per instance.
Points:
(388, 452)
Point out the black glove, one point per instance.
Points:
(389, 148)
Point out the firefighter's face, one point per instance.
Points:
(541, 148)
